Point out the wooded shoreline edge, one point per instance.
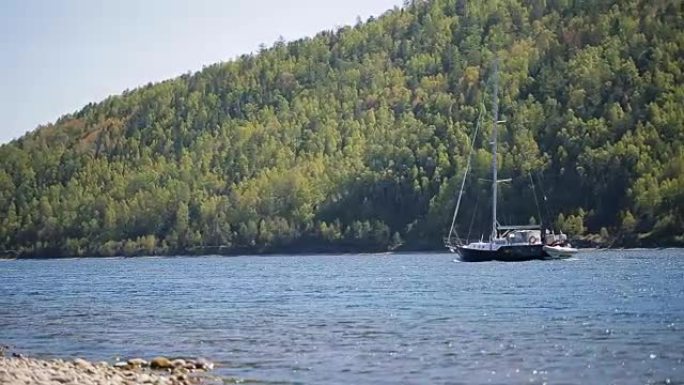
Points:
(583, 245)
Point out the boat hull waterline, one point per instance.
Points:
(506, 253)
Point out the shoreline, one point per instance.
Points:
(19, 369)
(302, 254)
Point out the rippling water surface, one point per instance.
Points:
(602, 317)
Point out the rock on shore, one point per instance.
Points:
(22, 370)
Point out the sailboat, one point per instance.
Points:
(506, 243)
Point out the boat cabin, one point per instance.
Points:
(516, 235)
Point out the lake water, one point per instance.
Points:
(599, 318)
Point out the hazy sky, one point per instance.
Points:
(56, 56)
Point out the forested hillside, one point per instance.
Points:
(356, 139)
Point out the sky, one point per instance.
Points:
(57, 56)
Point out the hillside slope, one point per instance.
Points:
(355, 139)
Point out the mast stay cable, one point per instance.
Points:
(452, 231)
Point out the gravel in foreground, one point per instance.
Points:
(22, 370)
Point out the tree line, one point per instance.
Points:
(356, 139)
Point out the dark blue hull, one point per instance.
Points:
(516, 253)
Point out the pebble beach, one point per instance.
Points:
(158, 371)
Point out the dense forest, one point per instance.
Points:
(356, 139)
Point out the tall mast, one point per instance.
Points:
(495, 113)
